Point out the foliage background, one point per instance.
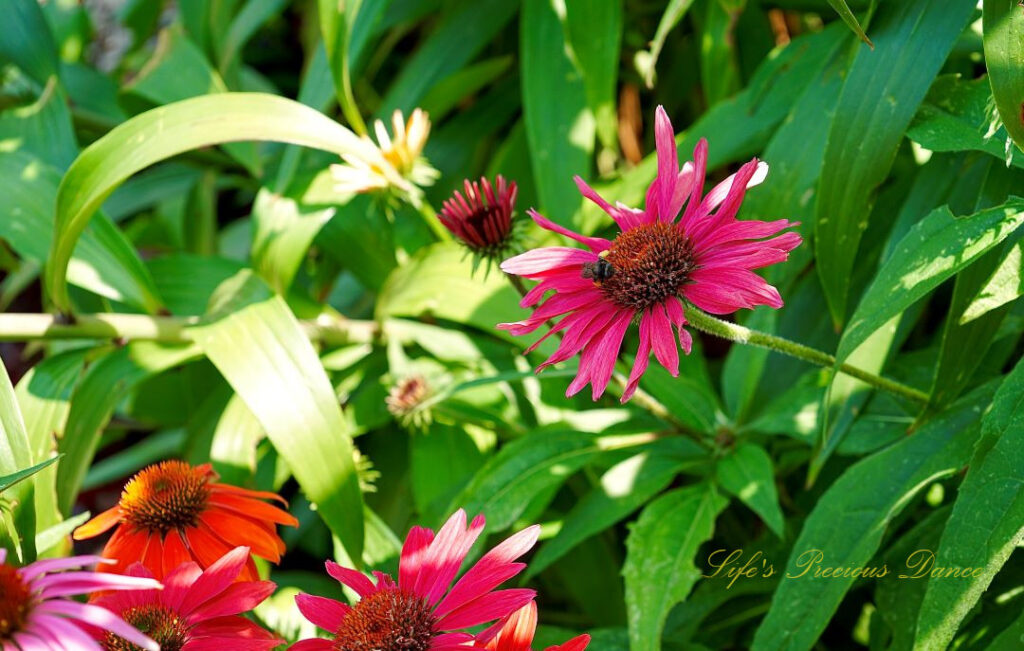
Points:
(214, 267)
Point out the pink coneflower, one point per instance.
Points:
(704, 257)
(420, 612)
(516, 631)
(481, 217)
(198, 610)
(36, 614)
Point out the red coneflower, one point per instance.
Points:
(482, 217)
(706, 257)
(173, 512)
(516, 631)
(420, 612)
(36, 613)
(196, 611)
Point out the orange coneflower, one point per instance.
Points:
(173, 512)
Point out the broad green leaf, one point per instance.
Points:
(173, 129)
(659, 568)
(186, 282)
(336, 22)
(440, 281)
(849, 520)
(691, 397)
(748, 474)
(446, 94)
(459, 36)
(42, 128)
(283, 230)
(1003, 23)
(1004, 285)
(104, 261)
(26, 39)
(7, 481)
(844, 12)
(44, 395)
(560, 133)
(49, 538)
(622, 489)
(15, 456)
(256, 342)
(937, 247)
(524, 469)
(963, 345)
(874, 110)
(441, 463)
(249, 19)
(105, 383)
(594, 30)
(987, 522)
(956, 116)
(233, 450)
(719, 68)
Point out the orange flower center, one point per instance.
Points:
(648, 264)
(169, 495)
(15, 600)
(162, 625)
(394, 620)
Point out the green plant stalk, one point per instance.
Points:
(740, 334)
(163, 329)
(429, 215)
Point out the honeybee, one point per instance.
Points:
(599, 270)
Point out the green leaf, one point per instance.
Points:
(594, 30)
(522, 470)
(233, 450)
(104, 261)
(283, 230)
(849, 520)
(163, 132)
(987, 522)
(15, 450)
(937, 247)
(873, 112)
(560, 133)
(186, 282)
(42, 128)
(26, 39)
(659, 568)
(459, 36)
(154, 448)
(844, 12)
(1003, 23)
(105, 383)
(255, 341)
(336, 21)
(748, 474)
(719, 67)
(7, 481)
(49, 538)
(448, 93)
(1004, 285)
(622, 489)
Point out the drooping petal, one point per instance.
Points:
(663, 340)
(99, 617)
(489, 607)
(640, 363)
(354, 579)
(578, 643)
(545, 259)
(595, 244)
(325, 613)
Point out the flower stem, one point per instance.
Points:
(429, 216)
(734, 332)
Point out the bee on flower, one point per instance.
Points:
(400, 166)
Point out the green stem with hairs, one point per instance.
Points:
(740, 334)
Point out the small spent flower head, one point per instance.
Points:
(481, 217)
(400, 167)
(406, 401)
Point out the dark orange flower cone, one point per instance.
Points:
(173, 512)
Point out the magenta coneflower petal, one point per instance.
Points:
(100, 617)
(542, 260)
(215, 579)
(315, 644)
(487, 608)
(351, 578)
(325, 613)
(706, 257)
(595, 244)
(414, 551)
(235, 599)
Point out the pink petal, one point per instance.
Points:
(67, 584)
(718, 194)
(595, 244)
(625, 221)
(325, 613)
(700, 167)
(722, 291)
(494, 568)
(492, 605)
(99, 617)
(312, 645)
(71, 636)
(663, 340)
(702, 224)
(578, 643)
(178, 583)
(446, 554)
(237, 598)
(643, 355)
(751, 254)
(30, 642)
(545, 259)
(33, 570)
(598, 359)
(668, 164)
(215, 579)
(414, 551)
(683, 188)
(352, 578)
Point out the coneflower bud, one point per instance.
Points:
(406, 401)
(481, 217)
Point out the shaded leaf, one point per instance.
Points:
(1003, 23)
(748, 474)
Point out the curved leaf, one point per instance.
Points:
(170, 130)
(1003, 23)
(256, 342)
